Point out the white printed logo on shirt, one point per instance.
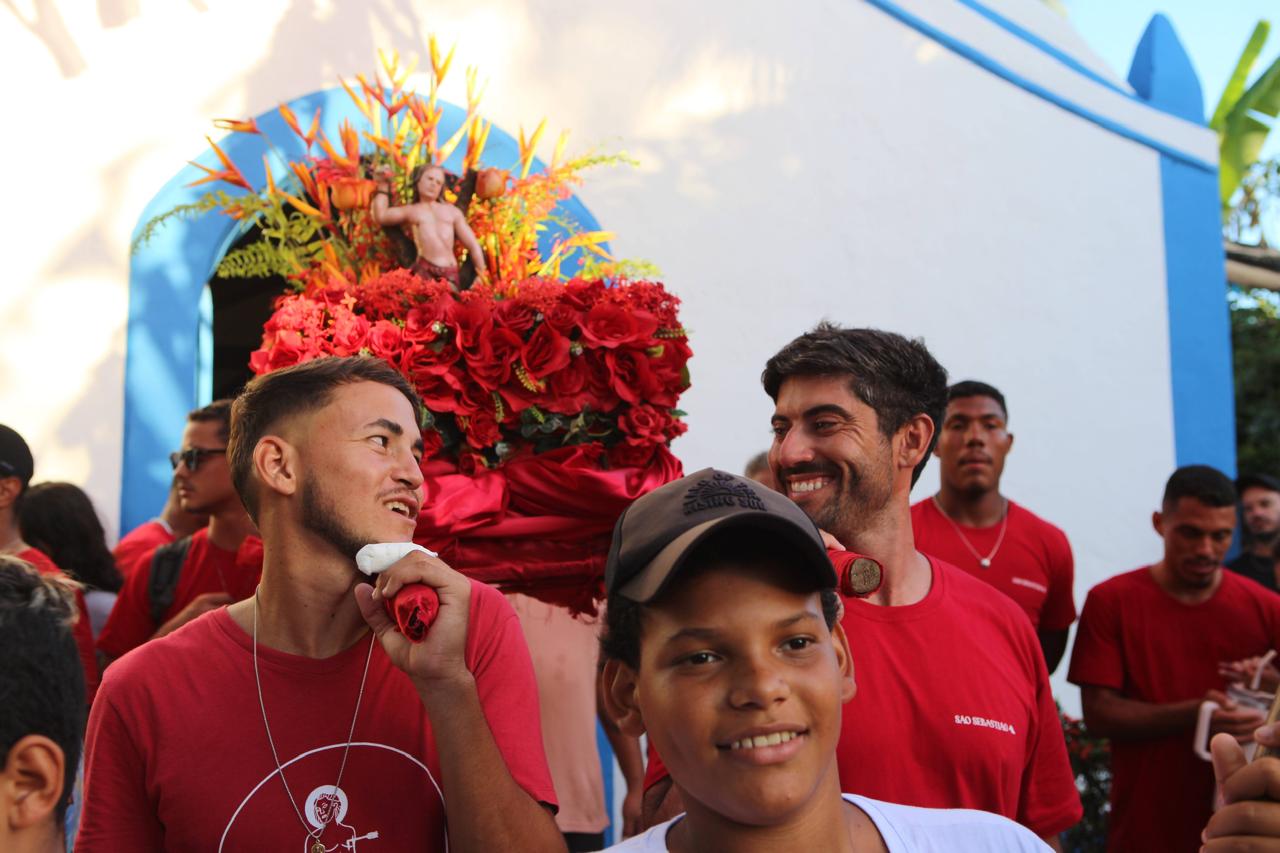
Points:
(326, 807)
(984, 723)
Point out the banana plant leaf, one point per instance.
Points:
(1245, 128)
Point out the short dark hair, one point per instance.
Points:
(896, 376)
(756, 464)
(272, 397)
(974, 388)
(1208, 485)
(41, 681)
(621, 637)
(60, 520)
(219, 412)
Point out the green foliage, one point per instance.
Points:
(1252, 213)
(216, 200)
(1244, 117)
(256, 260)
(1255, 337)
(633, 269)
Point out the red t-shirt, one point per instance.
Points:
(177, 756)
(207, 568)
(953, 708)
(1137, 639)
(82, 631)
(143, 539)
(1033, 565)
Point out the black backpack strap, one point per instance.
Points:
(166, 565)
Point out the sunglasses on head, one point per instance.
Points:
(192, 456)
(7, 470)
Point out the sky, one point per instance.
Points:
(1214, 32)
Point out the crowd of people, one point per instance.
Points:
(815, 662)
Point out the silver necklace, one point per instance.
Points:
(985, 562)
(317, 846)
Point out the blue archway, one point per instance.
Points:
(165, 355)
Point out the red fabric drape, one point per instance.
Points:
(540, 524)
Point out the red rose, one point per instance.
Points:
(349, 332)
(643, 424)
(481, 429)
(567, 389)
(491, 366)
(562, 317)
(630, 376)
(670, 370)
(420, 321)
(386, 340)
(600, 383)
(471, 321)
(546, 352)
(282, 348)
(582, 294)
(513, 314)
(435, 359)
(471, 463)
(610, 326)
(432, 442)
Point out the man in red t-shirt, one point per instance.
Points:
(16, 468)
(1148, 652)
(221, 562)
(172, 523)
(283, 722)
(954, 707)
(970, 524)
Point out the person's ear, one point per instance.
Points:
(848, 685)
(619, 696)
(912, 440)
(1008, 442)
(1157, 521)
(275, 461)
(31, 782)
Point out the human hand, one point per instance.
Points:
(831, 542)
(441, 654)
(1244, 671)
(1230, 718)
(1249, 819)
(199, 606)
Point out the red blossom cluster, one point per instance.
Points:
(543, 365)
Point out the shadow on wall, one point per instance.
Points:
(47, 24)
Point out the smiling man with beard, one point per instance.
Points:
(957, 711)
(284, 722)
(1148, 653)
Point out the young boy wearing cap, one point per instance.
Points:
(722, 643)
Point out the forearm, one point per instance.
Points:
(381, 203)
(486, 809)
(1120, 718)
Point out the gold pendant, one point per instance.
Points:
(318, 847)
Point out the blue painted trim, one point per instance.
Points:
(1200, 368)
(165, 371)
(1040, 44)
(993, 66)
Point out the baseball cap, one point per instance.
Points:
(1257, 481)
(15, 456)
(658, 531)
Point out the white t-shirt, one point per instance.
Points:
(905, 829)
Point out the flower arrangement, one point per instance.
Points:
(550, 396)
(548, 365)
